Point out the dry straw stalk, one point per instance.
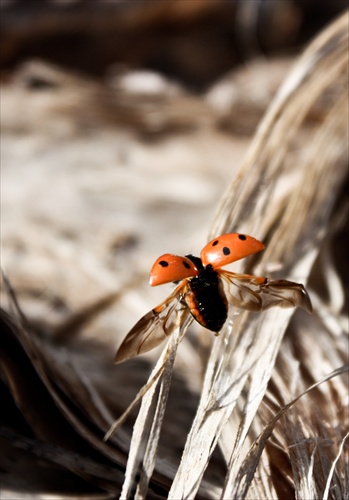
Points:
(284, 192)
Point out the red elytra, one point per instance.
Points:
(229, 248)
(201, 290)
(169, 268)
(218, 252)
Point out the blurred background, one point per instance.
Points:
(122, 123)
(194, 43)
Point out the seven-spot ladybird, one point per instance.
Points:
(201, 290)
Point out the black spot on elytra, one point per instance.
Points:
(226, 250)
(215, 243)
(163, 263)
(242, 237)
(186, 265)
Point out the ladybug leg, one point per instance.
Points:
(158, 309)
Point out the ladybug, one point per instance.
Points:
(201, 290)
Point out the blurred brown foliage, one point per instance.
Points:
(122, 125)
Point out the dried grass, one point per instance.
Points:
(294, 233)
(274, 395)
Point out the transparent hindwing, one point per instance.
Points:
(153, 328)
(253, 293)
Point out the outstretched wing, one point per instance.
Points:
(151, 329)
(254, 293)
